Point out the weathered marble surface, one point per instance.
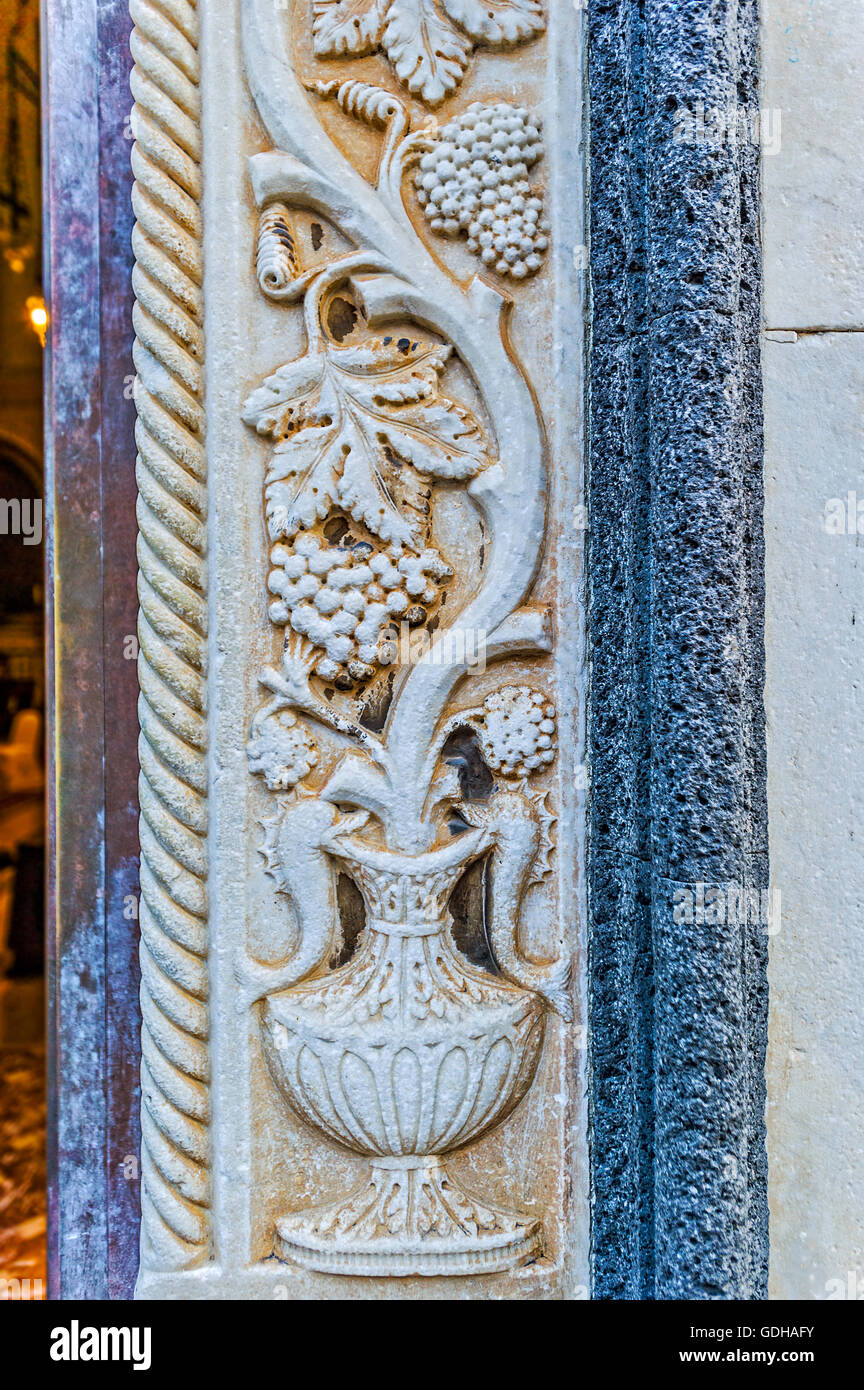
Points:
(814, 397)
(463, 496)
(91, 937)
(814, 389)
(813, 188)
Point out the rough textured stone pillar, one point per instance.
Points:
(678, 997)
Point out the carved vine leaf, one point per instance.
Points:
(339, 416)
(428, 42)
(501, 22)
(347, 27)
(427, 53)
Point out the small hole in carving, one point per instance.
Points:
(341, 318)
(352, 915)
(378, 701)
(336, 530)
(468, 908)
(462, 751)
(316, 233)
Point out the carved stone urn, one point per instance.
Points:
(405, 1054)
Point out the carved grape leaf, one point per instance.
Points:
(427, 53)
(497, 21)
(429, 42)
(351, 27)
(337, 418)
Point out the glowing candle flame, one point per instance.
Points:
(38, 315)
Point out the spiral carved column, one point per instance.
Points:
(168, 355)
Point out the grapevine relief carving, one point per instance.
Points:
(408, 1052)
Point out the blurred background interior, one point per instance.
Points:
(23, 321)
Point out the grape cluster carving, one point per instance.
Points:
(474, 182)
(342, 599)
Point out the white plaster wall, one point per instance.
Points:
(813, 201)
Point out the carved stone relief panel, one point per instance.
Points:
(359, 356)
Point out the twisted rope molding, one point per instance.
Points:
(170, 469)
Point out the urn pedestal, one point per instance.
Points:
(405, 1054)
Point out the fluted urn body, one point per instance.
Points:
(405, 1054)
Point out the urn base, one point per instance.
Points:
(409, 1218)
